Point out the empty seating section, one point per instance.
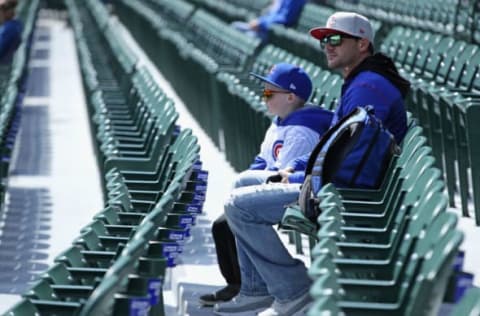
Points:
(374, 252)
(12, 86)
(152, 179)
(233, 10)
(442, 16)
(445, 79)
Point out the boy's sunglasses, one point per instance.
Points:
(267, 93)
(335, 39)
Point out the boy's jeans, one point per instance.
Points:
(267, 268)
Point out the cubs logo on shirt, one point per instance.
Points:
(277, 146)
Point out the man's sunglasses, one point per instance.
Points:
(335, 39)
(267, 93)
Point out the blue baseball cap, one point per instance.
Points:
(289, 77)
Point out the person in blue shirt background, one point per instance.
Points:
(284, 12)
(10, 31)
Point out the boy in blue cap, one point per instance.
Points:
(294, 131)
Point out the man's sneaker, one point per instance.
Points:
(242, 305)
(291, 308)
(223, 295)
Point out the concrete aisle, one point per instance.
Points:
(197, 271)
(54, 188)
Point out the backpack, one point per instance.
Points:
(354, 153)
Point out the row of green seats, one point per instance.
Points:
(146, 158)
(233, 10)
(451, 17)
(389, 250)
(115, 267)
(136, 133)
(446, 84)
(203, 47)
(86, 278)
(176, 13)
(154, 187)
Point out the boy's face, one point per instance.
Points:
(279, 102)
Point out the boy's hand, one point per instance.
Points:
(284, 173)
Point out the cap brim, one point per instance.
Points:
(265, 79)
(321, 32)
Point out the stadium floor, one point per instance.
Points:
(54, 178)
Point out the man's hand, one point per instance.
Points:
(285, 173)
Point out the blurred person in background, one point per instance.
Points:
(284, 12)
(10, 30)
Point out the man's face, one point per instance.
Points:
(341, 51)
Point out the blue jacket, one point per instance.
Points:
(374, 82)
(10, 38)
(286, 13)
(295, 135)
(370, 88)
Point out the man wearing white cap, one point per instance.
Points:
(370, 79)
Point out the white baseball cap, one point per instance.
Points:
(349, 23)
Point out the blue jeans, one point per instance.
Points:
(266, 266)
(223, 237)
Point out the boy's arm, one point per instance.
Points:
(258, 164)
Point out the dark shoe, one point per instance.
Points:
(222, 295)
